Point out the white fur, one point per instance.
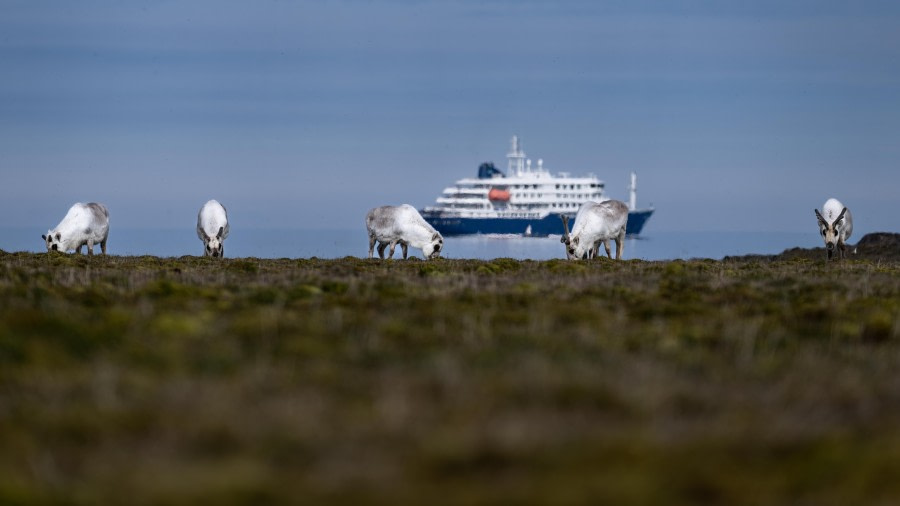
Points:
(835, 232)
(392, 225)
(597, 222)
(212, 228)
(84, 224)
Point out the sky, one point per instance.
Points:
(738, 116)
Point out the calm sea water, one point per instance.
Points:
(340, 243)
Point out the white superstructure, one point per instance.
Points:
(526, 191)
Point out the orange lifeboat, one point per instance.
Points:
(496, 194)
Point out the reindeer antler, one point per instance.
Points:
(840, 216)
(565, 220)
(821, 219)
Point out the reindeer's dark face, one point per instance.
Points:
(52, 241)
(831, 232)
(214, 246)
(433, 249)
(574, 250)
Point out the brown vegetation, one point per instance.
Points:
(188, 380)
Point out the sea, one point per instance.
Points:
(280, 243)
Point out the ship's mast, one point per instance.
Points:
(516, 157)
(632, 188)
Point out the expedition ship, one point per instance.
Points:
(526, 200)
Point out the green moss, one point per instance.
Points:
(303, 292)
(244, 266)
(433, 269)
(566, 266)
(880, 325)
(335, 287)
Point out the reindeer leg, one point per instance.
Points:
(620, 245)
(607, 248)
(103, 246)
(404, 247)
(381, 247)
(90, 247)
(78, 249)
(371, 244)
(393, 245)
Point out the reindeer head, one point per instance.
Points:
(433, 249)
(52, 241)
(214, 246)
(574, 249)
(831, 232)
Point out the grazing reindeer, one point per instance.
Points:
(212, 228)
(596, 222)
(835, 225)
(403, 225)
(84, 224)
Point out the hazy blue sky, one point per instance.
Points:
(736, 115)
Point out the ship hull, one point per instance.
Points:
(549, 225)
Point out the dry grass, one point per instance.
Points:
(184, 381)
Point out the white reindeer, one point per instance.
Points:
(84, 224)
(212, 228)
(403, 225)
(835, 225)
(596, 222)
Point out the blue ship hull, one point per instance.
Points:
(550, 225)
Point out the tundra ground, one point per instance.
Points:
(241, 381)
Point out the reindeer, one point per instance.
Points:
(84, 224)
(213, 228)
(835, 225)
(403, 225)
(596, 222)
